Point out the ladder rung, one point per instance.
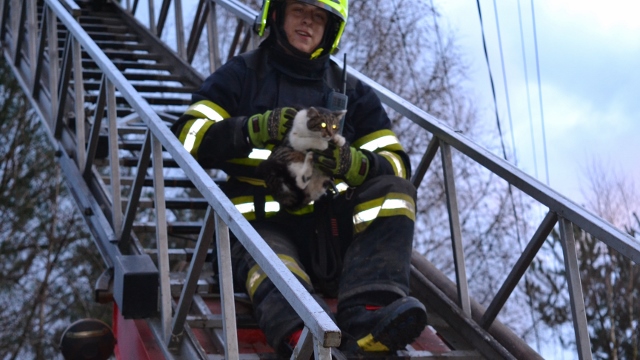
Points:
(168, 181)
(112, 37)
(174, 228)
(105, 44)
(173, 204)
(177, 280)
(102, 27)
(205, 321)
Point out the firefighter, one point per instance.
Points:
(355, 245)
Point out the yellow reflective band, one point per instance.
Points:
(256, 275)
(292, 265)
(395, 204)
(192, 134)
(246, 161)
(208, 109)
(396, 161)
(368, 343)
(252, 181)
(260, 154)
(380, 143)
(308, 209)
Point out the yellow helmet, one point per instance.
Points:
(338, 8)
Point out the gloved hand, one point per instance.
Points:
(344, 162)
(270, 127)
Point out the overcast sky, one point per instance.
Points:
(589, 60)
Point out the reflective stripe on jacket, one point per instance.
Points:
(212, 128)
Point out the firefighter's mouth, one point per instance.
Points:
(303, 33)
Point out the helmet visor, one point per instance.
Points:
(336, 7)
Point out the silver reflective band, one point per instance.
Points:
(342, 187)
(190, 141)
(397, 163)
(271, 206)
(208, 112)
(260, 154)
(246, 208)
(380, 143)
(389, 204)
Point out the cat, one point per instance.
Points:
(289, 173)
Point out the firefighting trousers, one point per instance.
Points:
(356, 246)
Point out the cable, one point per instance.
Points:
(535, 164)
(510, 187)
(506, 88)
(526, 80)
(544, 136)
(493, 89)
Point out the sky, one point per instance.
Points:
(588, 55)
(589, 71)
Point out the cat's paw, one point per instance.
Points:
(302, 181)
(339, 140)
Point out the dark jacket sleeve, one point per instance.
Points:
(225, 139)
(368, 118)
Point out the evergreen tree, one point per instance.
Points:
(49, 264)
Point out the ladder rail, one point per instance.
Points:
(567, 211)
(325, 333)
(542, 193)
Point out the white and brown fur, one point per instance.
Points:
(289, 172)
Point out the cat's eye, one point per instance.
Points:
(323, 125)
(334, 126)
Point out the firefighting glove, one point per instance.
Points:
(344, 162)
(270, 127)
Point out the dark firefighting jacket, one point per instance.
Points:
(213, 129)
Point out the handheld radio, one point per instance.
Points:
(338, 100)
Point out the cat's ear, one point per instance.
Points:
(311, 112)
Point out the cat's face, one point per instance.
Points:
(324, 121)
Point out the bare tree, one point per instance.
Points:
(399, 45)
(610, 281)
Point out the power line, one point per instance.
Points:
(506, 88)
(526, 80)
(544, 136)
(495, 103)
(493, 89)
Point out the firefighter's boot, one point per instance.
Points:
(382, 329)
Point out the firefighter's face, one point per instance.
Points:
(304, 25)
